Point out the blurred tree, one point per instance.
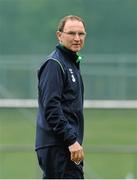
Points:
(28, 26)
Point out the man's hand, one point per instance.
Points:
(76, 152)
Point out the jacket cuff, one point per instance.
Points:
(70, 142)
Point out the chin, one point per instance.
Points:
(75, 50)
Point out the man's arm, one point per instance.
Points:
(51, 82)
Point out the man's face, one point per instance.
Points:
(73, 35)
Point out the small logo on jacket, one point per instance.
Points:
(72, 75)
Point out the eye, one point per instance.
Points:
(81, 34)
(72, 33)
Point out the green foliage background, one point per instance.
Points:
(28, 34)
(28, 26)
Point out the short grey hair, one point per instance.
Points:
(69, 17)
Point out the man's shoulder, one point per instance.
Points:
(52, 59)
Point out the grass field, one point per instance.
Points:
(105, 129)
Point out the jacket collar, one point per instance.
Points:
(72, 55)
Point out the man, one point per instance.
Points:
(59, 133)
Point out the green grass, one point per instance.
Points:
(103, 127)
(110, 127)
(18, 165)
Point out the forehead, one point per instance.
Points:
(74, 25)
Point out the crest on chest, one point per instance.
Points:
(72, 75)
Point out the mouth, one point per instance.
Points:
(76, 44)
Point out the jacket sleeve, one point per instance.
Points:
(51, 84)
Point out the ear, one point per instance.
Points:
(58, 34)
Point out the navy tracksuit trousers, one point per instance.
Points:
(56, 164)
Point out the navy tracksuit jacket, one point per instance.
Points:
(60, 90)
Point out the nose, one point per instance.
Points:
(77, 37)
